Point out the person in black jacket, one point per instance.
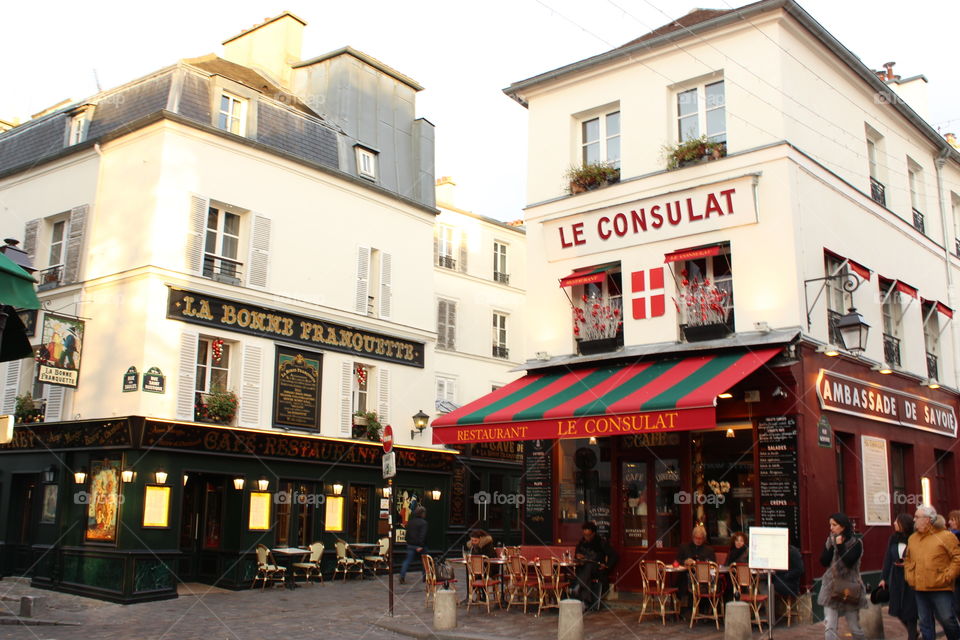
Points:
(841, 555)
(739, 549)
(786, 582)
(416, 540)
(597, 558)
(903, 602)
(689, 553)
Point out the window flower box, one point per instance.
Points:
(600, 345)
(591, 176)
(699, 333)
(694, 151)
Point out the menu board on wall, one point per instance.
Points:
(876, 485)
(458, 496)
(779, 483)
(538, 491)
(296, 401)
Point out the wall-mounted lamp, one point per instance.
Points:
(730, 433)
(435, 494)
(50, 475)
(160, 476)
(931, 383)
(726, 395)
(592, 440)
(263, 484)
(853, 330)
(828, 350)
(884, 368)
(420, 420)
(238, 483)
(337, 489)
(185, 478)
(128, 475)
(387, 492)
(80, 476)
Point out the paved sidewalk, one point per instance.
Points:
(355, 609)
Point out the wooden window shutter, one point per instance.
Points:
(249, 413)
(346, 398)
(74, 243)
(383, 394)
(442, 323)
(30, 231)
(259, 262)
(451, 325)
(463, 252)
(186, 375)
(386, 284)
(11, 387)
(196, 226)
(55, 400)
(361, 304)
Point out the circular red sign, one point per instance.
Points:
(387, 439)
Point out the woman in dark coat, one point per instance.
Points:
(903, 604)
(841, 555)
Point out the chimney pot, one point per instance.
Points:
(889, 67)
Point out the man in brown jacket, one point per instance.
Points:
(931, 564)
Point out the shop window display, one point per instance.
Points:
(585, 487)
(723, 497)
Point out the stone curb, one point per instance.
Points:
(422, 632)
(30, 622)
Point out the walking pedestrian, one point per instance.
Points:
(953, 521)
(931, 566)
(903, 603)
(416, 540)
(842, 592)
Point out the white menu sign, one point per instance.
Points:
(876, 481)
(770, 548)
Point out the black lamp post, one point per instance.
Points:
(853, 330)
(420, 420)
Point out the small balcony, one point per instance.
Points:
(221, 269)
(447, 262)
(932, 370)
(956, 247)
(503, 278)
(833, 318)
(891, 350)
(501, 351)
(918, 222)
(878, 192)
(50, 278)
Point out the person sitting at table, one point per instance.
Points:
(739, 554)
(688, 555)
(596, 559)
(787, 582)
(481, 543)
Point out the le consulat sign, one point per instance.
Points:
(230, 315)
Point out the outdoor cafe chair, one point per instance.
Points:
(267, 568)
(479, 582)
(653, 578)
(551, 583)
(747, 584)
(705, 587)
(432, 580)
(520, 584)
(791, 606)
(346, 563)
(312, 566)
(379, 560)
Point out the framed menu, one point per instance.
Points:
(259, 511)
(538, 491)
(156, 506)
(876, 481)
(769, 548)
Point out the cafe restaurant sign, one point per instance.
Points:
(844, 394)
(228, 315)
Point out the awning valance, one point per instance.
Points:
(659, 395)
(692, 254)
(588, 275)
(855, 266)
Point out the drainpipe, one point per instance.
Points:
(951, 294)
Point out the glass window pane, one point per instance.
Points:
(613, 123)
(225, 357)
(202, 352)
(716, 121)
(210, 244)
(213, 216)
(613, 150)
(591, 130)
(58, 231)
(218, 379)
(687, 102)
(591, 153)
(225, 103)
(634, 507)
(229, 247)
(231, 224)
(689, 128)
(714, 95)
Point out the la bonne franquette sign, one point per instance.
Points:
(709, 207)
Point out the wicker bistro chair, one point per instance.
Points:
(520, 584)
(551, 583)
(705, 587)
(346, 563)
(267, 568)
(310, 567)
(379, 560)
(655, 590)
(432, 580)
(747, 584)
(479, 580)
(791, 606)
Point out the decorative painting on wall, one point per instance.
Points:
(103, 501)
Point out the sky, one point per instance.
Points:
(463, 54)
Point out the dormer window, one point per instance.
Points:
(366, 163)
(233, 114)
(79, 125)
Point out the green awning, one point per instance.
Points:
(16, 286)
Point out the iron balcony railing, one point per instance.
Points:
(932, 371)
(500, 351)
(221, 269)
(891, 350)
(833, 319)
(878, 192)
(447, 262)
(50, 278)
(918, 222)
(956, 246)
(501, 277)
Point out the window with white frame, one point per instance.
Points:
(600, 139)
(446, 247)
(446, 389)
(500, 273)
(53, 275)
(931, 339)
(213, 371)
(500, 349)
(366, 163)
(915, 178)
(706, 289)
(702, 111)
(233, 114)
(360, 392)
(838, 298)
(446, 324)
(78, 128)
(598, 308)
(222, 245)
(875, 150)
(891, 314)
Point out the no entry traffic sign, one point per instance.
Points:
(387, 439)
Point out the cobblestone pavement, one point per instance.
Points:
(354, 610)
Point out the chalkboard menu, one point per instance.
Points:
(538, 491)
(458, 496)
(779, 484)
(296, 401)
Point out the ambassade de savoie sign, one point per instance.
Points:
(848, 395)
(230, 315)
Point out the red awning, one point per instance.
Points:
(855, 266)
(903, 287)
(658, 395)
(942, 308)
(692, 254)
(588, 275)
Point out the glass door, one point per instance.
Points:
(635, 524)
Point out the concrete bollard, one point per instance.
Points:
(26, 606)
(736, 621)
(445, 609)
(805, 608)
(871, 621)
(571, 620)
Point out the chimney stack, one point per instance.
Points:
(445, 188)
(889, 74)
(271, 47)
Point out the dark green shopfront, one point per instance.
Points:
(125, 509)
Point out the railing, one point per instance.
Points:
(501, 277)
(833, 318)
(918, 221)
(221, 269)
(878, 192)
(500, 351)
(956, 246)
(891, 350)
(932, 366)
(447, 262)
(50, 278)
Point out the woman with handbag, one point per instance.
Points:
(903, 602)
(842, 592)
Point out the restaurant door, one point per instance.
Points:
(201, 527)
(22, 523)
(493, 504)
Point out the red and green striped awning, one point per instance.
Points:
(659, 395)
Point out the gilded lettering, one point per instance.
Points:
(229, 314)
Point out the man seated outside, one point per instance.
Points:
(481, 543)
(597, 558)
(688, 555)
(787, 582)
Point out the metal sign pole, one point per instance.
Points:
(390, 544)
(771, 602)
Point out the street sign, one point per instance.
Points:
(387, 440)
(389, 465)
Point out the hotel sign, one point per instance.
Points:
(229, 315)
(844, 394)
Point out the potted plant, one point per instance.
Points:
(693, 151)
(366, 424)
(702, 307)
(598, 324)
(591, 176)
(27, 410)
(217, 406)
